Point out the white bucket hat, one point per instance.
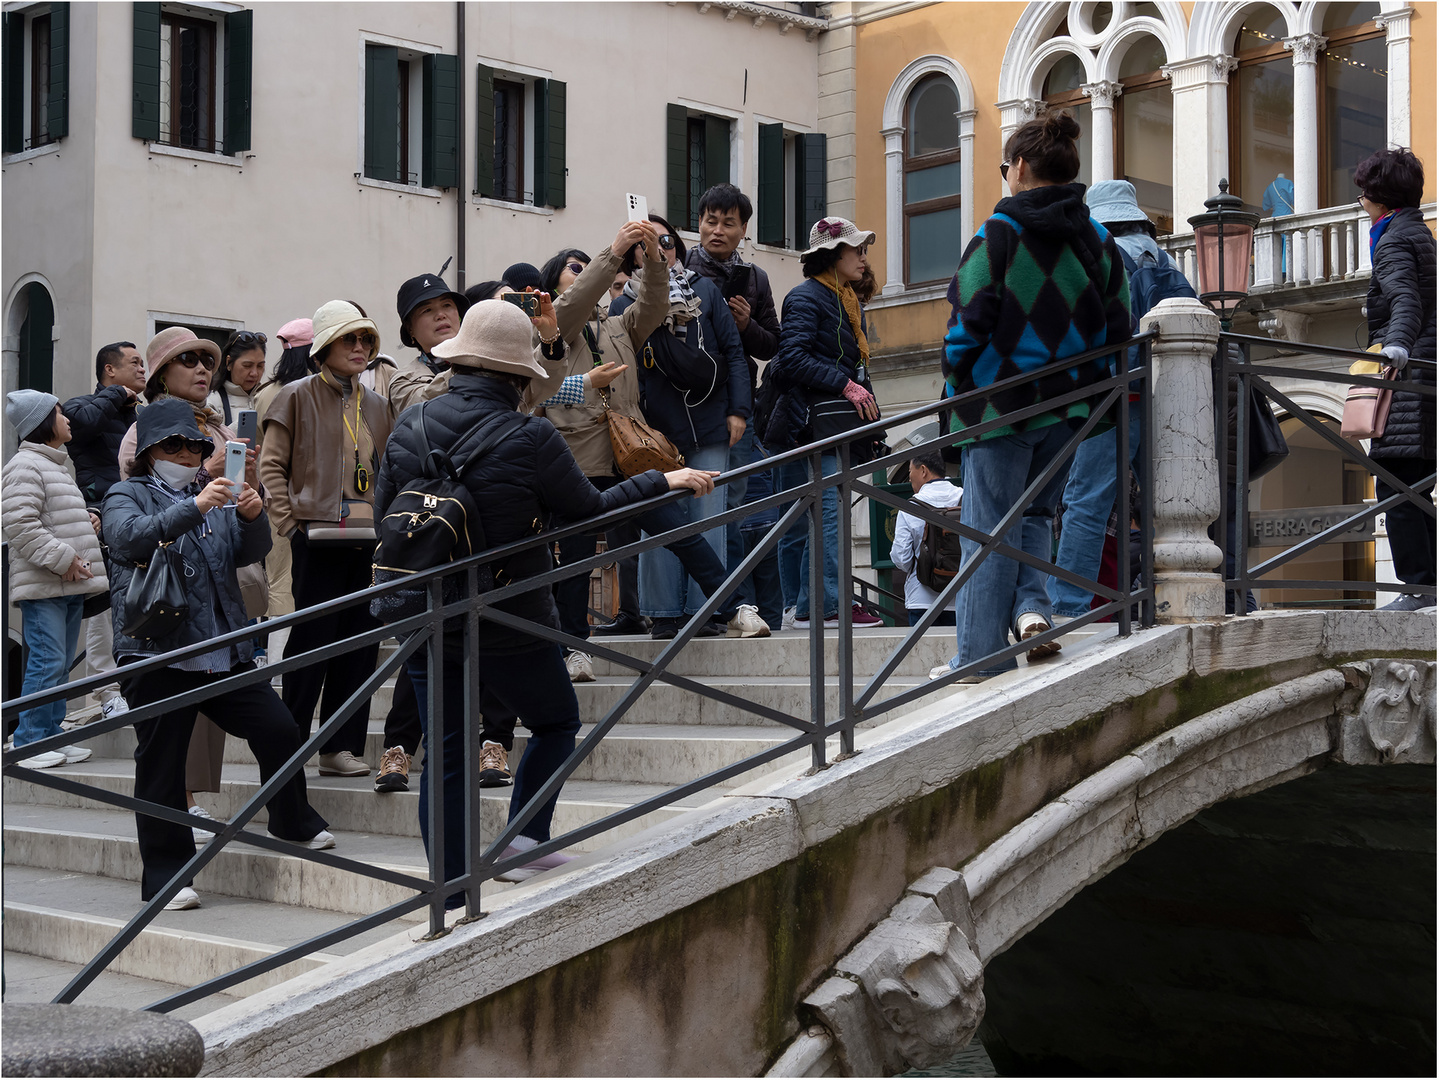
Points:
(830, 232)
(497, 336)
(336, 319)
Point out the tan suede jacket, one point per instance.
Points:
(620, 339)
(307, 458)
(415, 382)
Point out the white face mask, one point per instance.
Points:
(176, 475)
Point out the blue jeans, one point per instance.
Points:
(663, 580)
(532, 684)
(52, 630)
(1088, 502)
(996, 472)
(795, 546)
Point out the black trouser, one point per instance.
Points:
(325, 572)
(762, 587)
(254, 714)
(946, 618)
(1411, 530)
(694, 552)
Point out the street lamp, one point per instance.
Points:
(1224, 243)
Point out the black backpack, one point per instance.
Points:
(939, 552)
(434, 520)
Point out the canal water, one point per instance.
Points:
(971, 1061)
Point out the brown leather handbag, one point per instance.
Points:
(637, 446)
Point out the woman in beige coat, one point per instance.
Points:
(54, 561)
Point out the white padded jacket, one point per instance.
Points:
(47, 525)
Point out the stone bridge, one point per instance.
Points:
(858, 920)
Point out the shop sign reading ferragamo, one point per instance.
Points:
(1285, 528)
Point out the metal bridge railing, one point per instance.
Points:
(1234, 360)
(484, 855)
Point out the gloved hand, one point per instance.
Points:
(1397, 355)
(862, 400)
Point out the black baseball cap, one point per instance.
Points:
(415, 292)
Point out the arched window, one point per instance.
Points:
(1261, 116)
(1144, 130)
(1062, 91)
(1353, 97)
(933, 229)
(37, 347)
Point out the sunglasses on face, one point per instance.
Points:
(365, 339)
(575, 268)
(1004, 171)
(175, 443)
(667, 241)
(190, 359)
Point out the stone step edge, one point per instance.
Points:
(161, 954)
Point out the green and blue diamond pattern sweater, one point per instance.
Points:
(1040, 281)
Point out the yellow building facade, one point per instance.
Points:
(1281, 98)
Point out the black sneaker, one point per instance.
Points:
(714, 628)
(494, 766)
(625, 622)
(665, 629)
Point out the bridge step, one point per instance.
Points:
(38, 978)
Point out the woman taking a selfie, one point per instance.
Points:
(322, 442)
(166, 502)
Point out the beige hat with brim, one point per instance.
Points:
(335, 320)
(830, 232)
(497, 336)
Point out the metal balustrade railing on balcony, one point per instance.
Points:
(1312, 248)
(1234, 361)
(861, 698)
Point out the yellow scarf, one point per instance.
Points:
(850, 303)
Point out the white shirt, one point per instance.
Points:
(909, 531)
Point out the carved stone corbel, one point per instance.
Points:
(1394, 723)
(1285, 325)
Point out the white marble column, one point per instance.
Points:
(1306, 49)
(893, 211)
(1101, 111)
(1201, 131)
(1397, 38)
(1011, 115)
(1188, 585)
(966, 175)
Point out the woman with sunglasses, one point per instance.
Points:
(242, 370)
(167, 501)
(321, 447)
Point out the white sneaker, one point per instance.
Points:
(1032, 624)
(183, 900)
(75, 754)
(944, 669)
(747, 623)
(262, 660)
(580, 667)
(202, 835)
(939, 672)
(787, 623)
(116, 706)
(319, 842)
(48, 760)
(343, 763)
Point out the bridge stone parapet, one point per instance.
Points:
(694, 948)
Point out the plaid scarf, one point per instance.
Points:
(684, 301)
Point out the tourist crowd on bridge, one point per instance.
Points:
(685, 347)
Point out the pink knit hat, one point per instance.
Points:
(296, 332)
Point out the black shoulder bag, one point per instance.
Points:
(156, 604)
(433, 521)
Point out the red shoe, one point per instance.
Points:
(858, 616)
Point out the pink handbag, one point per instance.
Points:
(1366, 408)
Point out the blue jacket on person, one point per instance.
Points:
(817, 346)
(703, 423)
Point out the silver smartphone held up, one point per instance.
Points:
(235, 467)
(637, 207)
(246, 424)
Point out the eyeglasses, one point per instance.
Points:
(248, 339)
(364, 339)
(575, 268)
(175, 443)
(667, 241)
(1004, 171)
(1362, 198)
(190, 359)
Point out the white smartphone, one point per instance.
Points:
(235, 467)
(637, 208)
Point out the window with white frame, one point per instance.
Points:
(411, 133)
(933, 228)
(519, 137)
(36, 76)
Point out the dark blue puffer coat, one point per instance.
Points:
(519, 487)
(703, 423)
(1401, 312)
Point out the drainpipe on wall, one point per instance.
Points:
(460, 201)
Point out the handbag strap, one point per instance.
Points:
(436, 461)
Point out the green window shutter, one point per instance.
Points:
(771, 185)
(677, 194)
(810, 203)
(382, 112)
(542, 142)
(57, 122)
(12, 72)
(484, 130)
(440, 157)
(145, 73)
(239, 51)
(555, 144)
(716, 151)
(37, 345)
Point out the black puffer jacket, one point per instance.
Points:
(98, 423)
(1401, 312)
(761, 337)
(525, 484)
